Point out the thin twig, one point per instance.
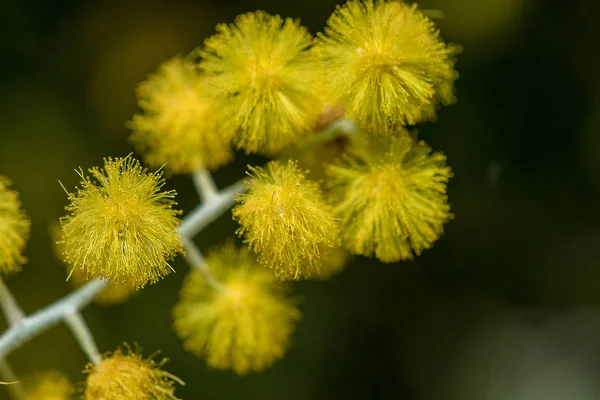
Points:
(47, 317)
(205, 185)
(203, 215)
(196, 261)
(84, 337)
(10, 379)
(14, 314)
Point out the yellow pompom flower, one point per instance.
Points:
(14, 229)
(179, 126)
(113, 293)
(285, 220)
(120, 225)
(386, 64)
(129, 376)
(391, 198)
(51, 385)
(246, 324)
(261, 70)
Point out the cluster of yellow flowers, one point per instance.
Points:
(122, 375)
(263, 85)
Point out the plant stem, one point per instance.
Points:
(205, 185)
(47, 317)
(204, 214)
(340, 128)
(196, 261)
(11, 309)
(82, 333)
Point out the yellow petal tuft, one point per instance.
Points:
(14, 229)
(261, 70)
(113, 293)
(120, 226)
(386, 64)
(128, 376)
(391, 198)
(245, 325)
(285, 220)
(179, 126)
(51, 385)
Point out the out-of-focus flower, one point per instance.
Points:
(245, 325)
(285, 220)
(14, 229)
(51, 385)
(179, 125)
(386, 64)
(269, 85)
(390, 197)
(121, 226)
(128, 376)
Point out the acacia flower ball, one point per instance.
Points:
(113, 293)
(285, 220)
(179, 126)
(14, 229)
(120, 226)
(51, 385)
(261, 70)
(128, 376)
(391, 198)
(246, 324)
(386, 63)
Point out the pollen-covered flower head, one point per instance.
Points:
(14, 229)
(285, 220)
(386, 63)
(129, 376)
(179, 126)
(113, 292)
(260, 68)
(246, 324)
(120, 225)
(391, 198)
(51, 385)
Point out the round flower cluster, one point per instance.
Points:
(342, 102)
(126, 375)
(243, 325)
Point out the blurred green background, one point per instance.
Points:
(505, 306)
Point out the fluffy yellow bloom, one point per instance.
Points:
(128, 376)
(386, 63)
(391, 198)
(179, 126)
(120, 226)
(113, 293)
(285, 220)
(14, 229)
(260, 69)
(52, 385)
(245, 325)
